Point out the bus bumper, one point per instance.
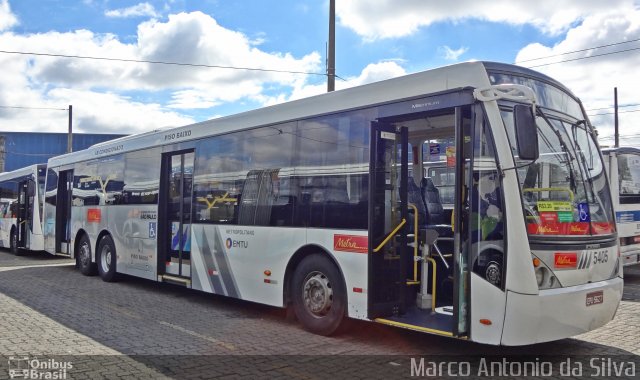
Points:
(560, 313)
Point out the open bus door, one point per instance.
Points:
(396, 295)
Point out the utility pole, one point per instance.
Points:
(331, 51)
(615, 117)
(70, 135)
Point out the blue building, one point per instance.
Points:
(20, 149)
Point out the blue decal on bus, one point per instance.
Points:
(152, 230)
(628, 216)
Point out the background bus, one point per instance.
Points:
(21, 194)
(319, 205)
(623, 166)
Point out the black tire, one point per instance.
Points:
(106, 259)
(83, 257)
(319, 295)
(13, 243)
(493, 272)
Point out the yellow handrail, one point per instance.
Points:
(391, 234)
(415, 245)
(433, 283)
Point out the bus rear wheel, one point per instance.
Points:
(83, 257)
(13, 243)
(106, 259)
(318, 294)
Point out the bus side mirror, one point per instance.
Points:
(526, 132)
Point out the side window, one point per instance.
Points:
(487, 214)
(629, 174)
(98, 182)
(332, 158)
(51, 188)
(246, 178)
(307, 173)
(86, 185)
(110, 172)
(8, 198)
(141, 177)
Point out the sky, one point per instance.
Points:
(590, 46)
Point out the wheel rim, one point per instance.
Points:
(14, 240)
(493, 274)
(317, 294)
(85, 254)
(105, 258)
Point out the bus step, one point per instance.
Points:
(175, 280)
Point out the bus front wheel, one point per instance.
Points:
(83, 257)
(319, 296)
(106, 259)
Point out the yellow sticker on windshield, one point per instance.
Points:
(554, 206)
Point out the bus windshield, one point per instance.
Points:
(565, 190)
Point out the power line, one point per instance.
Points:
(581, 50)
(36, 108)
(162, 62)
(581, 58)
(606, 108)
(611, 113)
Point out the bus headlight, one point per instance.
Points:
(544, 276)
(540, 275)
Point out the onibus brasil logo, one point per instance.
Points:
(25, 367)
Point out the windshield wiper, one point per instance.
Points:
(565, 149)
(586, 166)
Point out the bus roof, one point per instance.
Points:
(462, 75)
(21, 172)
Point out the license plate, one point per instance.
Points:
(595, 298)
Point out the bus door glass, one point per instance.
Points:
(387, 219)
(23, 213)
(178, 187)
(63, 211)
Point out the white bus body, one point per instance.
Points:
(20, 209)
(623, 166)
(313, 204)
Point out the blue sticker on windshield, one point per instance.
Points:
(583, 212)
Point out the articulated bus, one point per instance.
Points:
(21, 193)
(623, 165)
(321, 205)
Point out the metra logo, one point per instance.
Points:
(236, 243)
(565, 260)
(350, 243)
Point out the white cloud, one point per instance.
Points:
(7, 18)
(594, 79)
(192, 99)
(106, 85)
(392, 18)
(374, 72)
(450, 54)
(138, 10)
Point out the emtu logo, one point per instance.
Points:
(230, 243)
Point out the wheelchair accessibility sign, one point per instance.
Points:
(583, 212)
(152, 230)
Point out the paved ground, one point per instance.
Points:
(140, 329)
